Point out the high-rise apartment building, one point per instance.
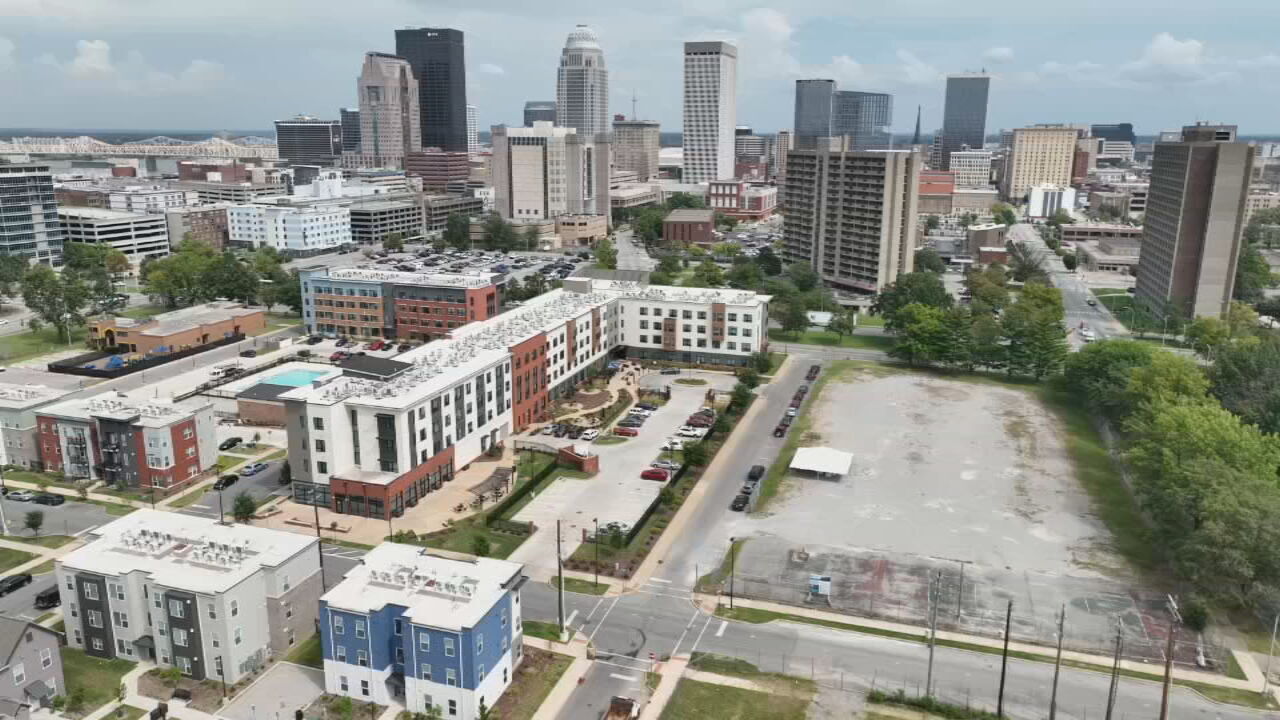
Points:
(1041, 155)
(964, 117)
(439, 67)
(535, 110)
(349, 119)
(635, 147)
(582, 84)
(304, 140)
(852, 215)
(543, 172)
(710, 110)
(1194, 221)
(972, 168)
(1118, 132)
(389, 127)
(473, 136)
(29, 225)
(782, 145)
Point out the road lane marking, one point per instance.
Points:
(692, 619)
(723, 624)
(572, 615)
(628, 678)
(657, 579)
(698, 641)
(604, 617)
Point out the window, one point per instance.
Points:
(179, 637)
(451, 677)
(162, 629)
(480, 671)
(504, 642)
(397, 626)
(360, 629)
(322, 467)
(337, 625)
(426, 672)
(448, 647)
(424, 642)
(19, 674)
(238, 635)
(733, 317)
(91, 591)
(235, 608)
(176, 609)
(644, 311)
(687, 314)
(95, 618)
(216, 642)
(97, 644)
(362, 658)
(686, 342)
(184, 664)
(340, 652)
(342, 682)
(46, 657)
(504, 617)
(702, 314)
(317, 423)
(746, 317)
(746, 347)
(120, 619)
(479, 643)
(364, 688)
(453, 707)
(746, 332)
(400, 656)
(117, 591)
(319, 445)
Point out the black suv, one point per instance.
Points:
(49, 499)
(13, 582)
(756, 472)
(739, 503)
(48, 598)
(225, 481)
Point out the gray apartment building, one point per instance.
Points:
(29, 224)
(635, 147)
(19, 402)
(964, 116)
(31, 673)
(1194, 222)
(852, 215)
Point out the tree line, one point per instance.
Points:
(198, 273)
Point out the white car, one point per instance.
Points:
(591, 434)
(639, 411)
(673, 444)
(691, 432)
(791, 412)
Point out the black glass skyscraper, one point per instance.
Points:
(438, 62)
(814, 106)
(822, 111)
(964, 119)
(1118, 132)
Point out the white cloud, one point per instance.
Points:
(7, 59)
(1168, 60)
(491, 69)
(916, 71)
(998, 55)
(94, 67)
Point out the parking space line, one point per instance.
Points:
(723, 624)
(619, 676)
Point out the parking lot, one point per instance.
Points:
(617, 493)
(282, 689)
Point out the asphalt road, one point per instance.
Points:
(631, 252)
(1075, 294)
(69, 518)
(260, 487)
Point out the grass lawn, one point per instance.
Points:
(40, 620)
(611, 439)
(690, 381)
(277, 455)
(124, 712)
(775, 361)
(280, 321)
(307, 653)
(462, 535)
(42, 568)
(828, 339)
(537, 675)
(190, 498)
(778, 470)
(585, 587)
(1133, 316)
(714, 580)
(226, 462)
(695, 700)
(869, 320)
(735, 667)
(47, 541)
(60, 626)
(544, 630)
(112, 508)
(98, 679)
(33, 477)
(347, 544)
(23, 346)
(10, 559)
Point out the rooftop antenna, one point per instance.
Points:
(633, 105)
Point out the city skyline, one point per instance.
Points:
(97, 67)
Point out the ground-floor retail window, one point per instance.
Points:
(311, 494)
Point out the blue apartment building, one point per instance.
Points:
(419, 628)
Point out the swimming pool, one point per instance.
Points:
(295, 378)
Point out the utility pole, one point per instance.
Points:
(596, 541)
(1004, 658)
(731, 572)
(315, 507)
(1175, 618)
(1115, 671)
(560, 583)
(1057, 665)
(1266, 675)
(934, 596)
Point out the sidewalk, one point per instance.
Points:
(671, 672)
(131, 697)
(42, 554)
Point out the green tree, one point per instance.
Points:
(181, 278)
(457, 231)
(922, 335)
(531, 237)
(708, 274)
(725, 222)
(1004, 214)
(749, 377)
(484, 712)
(647, 225)
(1060, 218)
(228, 277)
(931, 223)
(923, 288)
(842, 323)
(682, 200)
(287, 290)
(1027, 264)
(987, 288)
(498, 233)
(987, 343)
(243, 508)
(1245, 377)
(1167, 379)
(1034, 335)
(769, 262)
(1070, 261)
(1253, 275)
(793, 318)
(761, 362)
(12, 268)
(744, 275)
(393, 242)
(726, 250)
(740, 397)
(606, 254)
(1242, 321)
(1207, 335)
(1100, 373)
(928, 260)
(695, 453)
(480, 546)
(33, 521)
(56, 300)
(804, 277)
(958, 348)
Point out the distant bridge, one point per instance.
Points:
(162, 146)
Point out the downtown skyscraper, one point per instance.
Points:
(439, 66)
(822, 111)
(582, 84)
(710, 110)
(389, 128)
(964, 118)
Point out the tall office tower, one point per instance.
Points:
(29, 225)
(543, 172)
(439, 65)
(389, 127)
(782, 145)
(582, 84)
(535, 110)
(349, 118)
(964, 118)
(635, 147)
(747, 144)
(1041, 155)
(305, 140)
(1119, 132)
(1195, 218)
(852, 215)
(473, 136)
(865, 117)
(815, 104)
(710, 110)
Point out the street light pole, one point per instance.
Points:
(1175, 618)
(596, 542)
(1266, 675)
(1057, 665)
(1004, 658)
(731, 571)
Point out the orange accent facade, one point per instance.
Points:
(394, 496)
(529, 393)
(358, 316)
(105, 332)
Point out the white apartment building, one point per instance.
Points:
(710, 110)
(972, 168)
(370, 447)
(138, 235)
(1041, 154)
(297, 231)
(215, 601)
(150, 198)
(542, 172)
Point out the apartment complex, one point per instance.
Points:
(304, 140)
(297, 231)
(215, 601)
(782, 144)
(389, 113)
(1194, 221)
(29, 225)
(32, 663)
(964, 116)
(371, 447)
(18, 406)
(438, 168)
(582, 85)
(145, 443)
(203, 223)
(138, 235)
(635, 148)
(439, 630)
(1041, 155)
(437, 57)
(710, 110)
(852, 215)
(742, 200)
(545, 171)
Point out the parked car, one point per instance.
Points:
(814, 370)
(549, 430)
(48, 598)
(665, 465)
(575, 432)
(791, 411)
(756, 472)
(21, 496)
(339, 356)
(225, 481)
(780, 431)
(639, 411)
(254, 469)
(249, 353)
(647, 406)
(315, 340)
(626, 431)
(631, 423)
(13, 582)
(655, 474)
(786, 420)
(403, 347)
(590, 434)
(49, 499)
(1091, 302)
(375, 345)
(230, 443)
(701, 421)
(671, 371)
(689, 431)
(739, 503)
(673, 444)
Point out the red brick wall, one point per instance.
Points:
(416, 319)
(47, 436)
(528, 381)
(254, 412)
(482, 303)
(570, 340)
(387, 493)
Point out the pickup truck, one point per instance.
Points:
(621, 708)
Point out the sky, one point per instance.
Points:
(240, 64)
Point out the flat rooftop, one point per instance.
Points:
(88, 213)
(144, 411)
(690, 215)
(184, 552)
(439, 590)
(20, 397)
(186, 318)
(451, 280)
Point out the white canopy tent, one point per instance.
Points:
(823, 461)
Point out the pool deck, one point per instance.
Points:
(273, 375)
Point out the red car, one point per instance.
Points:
(629, 432)
(375, 345)
(654, 474)
(339, 355)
